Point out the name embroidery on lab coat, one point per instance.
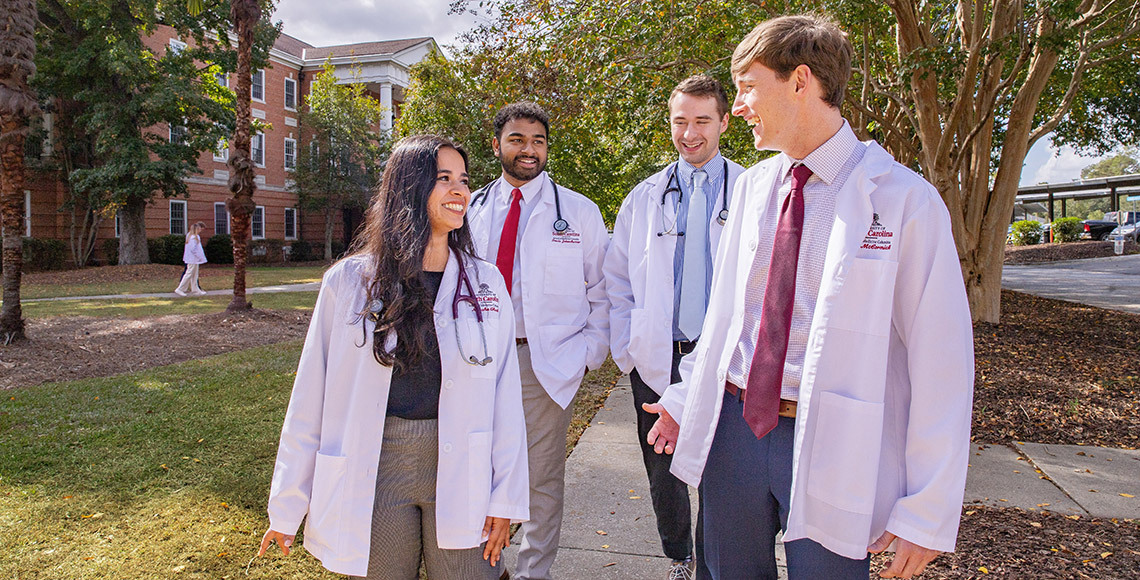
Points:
(567, 237)
(877, 238)
(488, 300)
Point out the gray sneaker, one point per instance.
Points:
(681, 570)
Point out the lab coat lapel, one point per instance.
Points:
(479, 219)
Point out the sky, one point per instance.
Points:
(331, 22)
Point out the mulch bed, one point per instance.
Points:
(1057, 372)
(64, 348)
(1069, 251)
(1014, 543)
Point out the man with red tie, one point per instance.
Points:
(549, 243)
(830, 393)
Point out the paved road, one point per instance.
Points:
(1112, 283)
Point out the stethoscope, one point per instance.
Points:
(463, 283)
(560, 225)
(673, 185)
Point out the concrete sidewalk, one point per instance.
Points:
(1112, 282)
(306, 287)
(609, 531)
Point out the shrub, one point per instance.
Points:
(219, 249)
(302, 251)
(166, 249)
(265, 251)
(1067, 229)
(41, 254)
(111, 251)
(1026, 232)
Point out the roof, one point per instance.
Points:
(363, 48)
(291, 45)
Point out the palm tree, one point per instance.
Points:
(17, 103)
(244, 15)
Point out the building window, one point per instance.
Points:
(118, 225)
(257, 88)
(179, 134)
(290, 223)
(291, 94)
(177, 218)
(223, 79)
(177, 46)
(257, 224)
(257, 149)
(222, 151)
(221, 218)
(290, 154)
(27, 214)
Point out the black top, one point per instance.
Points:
(414, 393)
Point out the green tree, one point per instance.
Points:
(958, 90)
(1123, 163)
(17, 103)
(340, 166)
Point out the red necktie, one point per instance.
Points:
(766, 375)
(506, 259)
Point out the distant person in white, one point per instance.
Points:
(193, 256)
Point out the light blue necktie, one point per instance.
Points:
(693, 266)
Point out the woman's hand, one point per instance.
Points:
(498, 532)
(283, 540)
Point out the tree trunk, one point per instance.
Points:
(328, 233)
(132, 233)
(11, 216)
(244, 14)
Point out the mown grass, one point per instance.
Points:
(162, 473)
(256, 276)
(150, 306)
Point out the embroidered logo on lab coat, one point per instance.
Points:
(878, 237)
(567, 237)
(488, 300)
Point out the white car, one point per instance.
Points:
(1127, 231)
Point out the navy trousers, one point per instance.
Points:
(745, 493)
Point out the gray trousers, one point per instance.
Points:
(403, 515)
(546, 426)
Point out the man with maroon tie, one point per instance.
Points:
(830, 393)
(549, 243)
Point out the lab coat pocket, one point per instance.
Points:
(563, 271)
(865, 300)
(845, 452)
(565, 349)
(326, 501)
(478, 478)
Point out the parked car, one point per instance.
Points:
(1127, 231)
(1100, 229)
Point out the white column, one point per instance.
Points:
(386, 101)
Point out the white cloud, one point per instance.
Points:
(327, 23)
(1044, 164)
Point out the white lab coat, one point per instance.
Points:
(331, 440)
(883, 425)
(566, 313)
(639, 277)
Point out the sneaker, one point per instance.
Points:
(179, 292)
(199, 292)
(681, 570)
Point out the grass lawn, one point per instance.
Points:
(157, 474)
(162, 306)
(255, 276)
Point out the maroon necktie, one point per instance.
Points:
(766, 375)
(506, 258)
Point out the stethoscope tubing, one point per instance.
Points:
(559, 226)
(674, 184)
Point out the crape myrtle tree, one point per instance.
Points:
(957, 90)
(17, 103)
(341, 163)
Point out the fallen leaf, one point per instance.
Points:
(1035, 524)
(983, 570)
(1126, 495)
(601, 533)
(639, 497)
(605, 545)
(1104, 555)
(610, 564)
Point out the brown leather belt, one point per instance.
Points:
(520, 341)
(787, 408)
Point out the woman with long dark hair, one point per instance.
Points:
(404, 438)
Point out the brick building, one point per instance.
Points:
(277, 94)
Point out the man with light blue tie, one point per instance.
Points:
(658, 269)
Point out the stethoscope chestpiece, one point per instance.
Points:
(560, 225)
(722, 217)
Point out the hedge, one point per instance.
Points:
(1026, 232)
(41, 254)
(1067, 229)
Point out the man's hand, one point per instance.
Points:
(498, 534)
(283, 541)
(663, 435)
(910, 558)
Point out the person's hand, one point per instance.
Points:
(663, 435)
(283, 540)
(910, 558)
(498, 532)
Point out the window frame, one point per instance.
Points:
(170, 214)
(288, 211)
(285, 97)
(177, 46)
(252, 222)
(118, 226)
(286, 157)
(185, 133)
(260, 72)
(259, 136)
(27, 213)
(229, 218)
(225, 156)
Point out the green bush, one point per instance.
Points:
(1026, 232)
(41, 254)
(111, 251)
(301, 251)
(1067, 229)
(219, 249)
(266, 251)
(166, 249)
